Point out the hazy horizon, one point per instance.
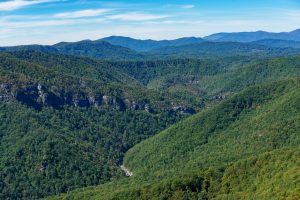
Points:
(138, 38)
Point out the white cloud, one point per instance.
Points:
(181, 6)
(82, 13)
(183, 22)
(17, 4)
(188, 6)
(294, 13)
(47, 23)
(5, 32)
(136, 17)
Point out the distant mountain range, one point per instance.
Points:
(220, 49)
(95, 49)
(282, 40)
(148, 45)
(253, 36)
(126, 48)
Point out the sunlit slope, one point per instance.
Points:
(272, 175)
(257, 120)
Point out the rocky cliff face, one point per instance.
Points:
(38, 95)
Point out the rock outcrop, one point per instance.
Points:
(38, 95)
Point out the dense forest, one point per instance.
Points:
(254, 140)
(62, 116)
(251, 178)
(207, 77)
(249, 123)
(190, 119)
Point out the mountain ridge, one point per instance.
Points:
(253, 36)
(149, 44)
(219, 44)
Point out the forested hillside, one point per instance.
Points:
(66, 122)
(244, 148)
(257, 120)
(209, 77)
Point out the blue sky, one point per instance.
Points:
(51, 21)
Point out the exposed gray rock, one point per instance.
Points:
(183, 109)
(218, 97)
(107, 99)
(39, 95)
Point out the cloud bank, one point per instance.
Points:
(17, 4)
